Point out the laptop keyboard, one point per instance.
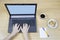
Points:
(21, 21)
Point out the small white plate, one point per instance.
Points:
(54, 21)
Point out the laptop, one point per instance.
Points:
(22, 13)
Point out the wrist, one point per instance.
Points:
(9, 37)
(12, 34)
(26, 36)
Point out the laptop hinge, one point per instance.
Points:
(23, 16)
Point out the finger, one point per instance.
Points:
(21, 27)
(16, 24)
(28, 27)
(25, 24)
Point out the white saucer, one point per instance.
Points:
(55, 26)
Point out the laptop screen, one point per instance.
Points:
(21, 9)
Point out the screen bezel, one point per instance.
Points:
(21, 4)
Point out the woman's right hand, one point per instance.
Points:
(25, 30)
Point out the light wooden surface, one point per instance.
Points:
(50, 7)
